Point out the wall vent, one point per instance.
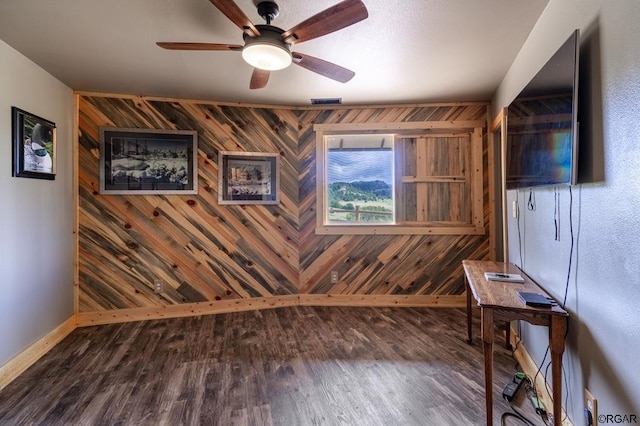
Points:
(326, 101)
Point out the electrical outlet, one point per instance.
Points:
(158, 286)
(334, 277)
(591, 404)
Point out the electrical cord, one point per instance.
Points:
(556, 212)
(514, 348)
(515, 412)
(533, 381)
(506, 415)
(531, 204)
(519, 232)
(566, 398)
(566, 386)
(566, 287)
(537, 404)
(566, 290)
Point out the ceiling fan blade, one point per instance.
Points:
(259, 78)
(237, 16)
(322, 67)
(343, 14)
(197, 46)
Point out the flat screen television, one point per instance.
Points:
(542, 126)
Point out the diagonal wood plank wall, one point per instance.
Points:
(205, 252)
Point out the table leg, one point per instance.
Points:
(487, 347)
(557, 332)
(507, 337)
(468, 291)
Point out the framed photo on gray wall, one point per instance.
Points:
(148, 161)
(34, 145)
(248, 177)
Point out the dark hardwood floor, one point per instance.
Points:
(285, 366)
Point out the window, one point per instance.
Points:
(412, 181)
(360, 180)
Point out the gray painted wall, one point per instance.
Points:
(36, 216)
(603, 290)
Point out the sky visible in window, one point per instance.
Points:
(366, 165)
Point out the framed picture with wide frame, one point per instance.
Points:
(34, 145)
(148, 161)
(248, 178)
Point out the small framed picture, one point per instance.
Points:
(148, 161)
(34, 146)
(248, 178)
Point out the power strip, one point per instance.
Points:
(513, 386)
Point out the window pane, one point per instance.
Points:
(360, 183)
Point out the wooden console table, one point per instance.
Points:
(499, 301)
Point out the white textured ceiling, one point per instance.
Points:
(405, 51)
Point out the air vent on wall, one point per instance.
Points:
(326, 101)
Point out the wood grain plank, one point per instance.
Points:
(288, 366)
(207, 253)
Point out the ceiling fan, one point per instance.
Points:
(268, 48)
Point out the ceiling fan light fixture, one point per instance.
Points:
(268, 48)
(267, 51)
(266, 56)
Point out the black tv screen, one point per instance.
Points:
(542, 144)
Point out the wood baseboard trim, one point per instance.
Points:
(382, 300)
(238, 305)
(22, 361)
(530, 368)
(184, 310)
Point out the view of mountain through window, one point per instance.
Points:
(360, 179)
